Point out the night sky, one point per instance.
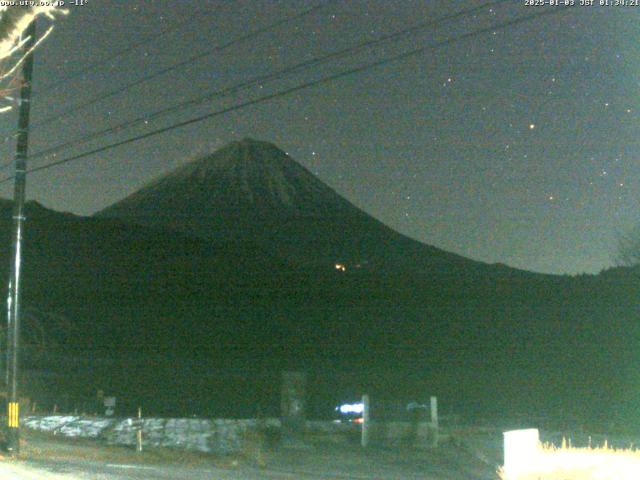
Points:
(518, 145)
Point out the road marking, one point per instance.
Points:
(140, 467)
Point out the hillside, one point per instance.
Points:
(183, 322)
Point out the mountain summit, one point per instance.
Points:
(243, 181)
(253, 192)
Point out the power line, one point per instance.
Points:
(309, 84)
(98, 134)
(82, 105)
(57, 83)
(264, 79)
(327, 79)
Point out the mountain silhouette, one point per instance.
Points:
(253, 192)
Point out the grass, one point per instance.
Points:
(591, 463)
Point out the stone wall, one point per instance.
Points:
(204, 435)
(220, 435)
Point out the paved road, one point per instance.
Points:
(87, 470)
(93, 470)
(98, 471)
(55, 458)
(101, 470)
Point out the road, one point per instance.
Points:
(89, 470)
(86, 470)
(54, 458)
(93, 470)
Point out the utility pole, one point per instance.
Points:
(13, 300)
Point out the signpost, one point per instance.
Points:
(366, 420)
(293, 407)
